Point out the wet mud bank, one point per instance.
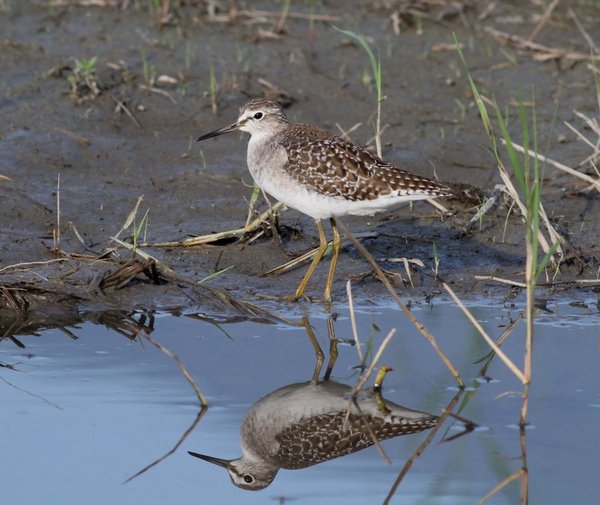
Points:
(102, 105)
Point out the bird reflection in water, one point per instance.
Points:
(307, 423)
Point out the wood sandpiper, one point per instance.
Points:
(304, 424)
(311, 170)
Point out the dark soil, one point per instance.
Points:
(128, 132)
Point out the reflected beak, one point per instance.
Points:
(220, 131)
(216, 461)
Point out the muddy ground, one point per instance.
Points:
(130, 131)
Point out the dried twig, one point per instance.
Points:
(542, 52)
(158, 91)
(490, 203)
(185, 434)
(122, 107)
(77, 138)
(180, 365)
(353, 322)
(507, 361)
(26, 264)
(428, 336)
(365, 376)
(32, 394)
(130, 217)
(590, 42)
(560, 166)
(513, 476)
(500, 280)
(57, 231)
(419, 450)
(253, 14)
(215, 237)
(512, 192)
(542, 21)
(307, 256)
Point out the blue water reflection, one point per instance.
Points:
(82, 415)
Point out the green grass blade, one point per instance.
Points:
(513, 155)
(544, 261)
(215, 274)
(375, 62)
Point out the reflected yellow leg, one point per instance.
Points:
(318, 351)
(334, 256)
(311, 269)
(333, 352)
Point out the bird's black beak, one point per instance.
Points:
(220, 131)
(215, 461)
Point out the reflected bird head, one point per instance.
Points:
(244, 472)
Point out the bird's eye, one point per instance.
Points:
(248, 479)
(258, 115)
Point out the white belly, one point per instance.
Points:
(320, 206)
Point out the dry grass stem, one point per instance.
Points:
(296, 262)
(180, 365)
(307, 256)
(501, 280)
(57, 231)
(487, 359)
(216, 237)
(362, 379)
(501, 485)
(130, 217)
(592, 124)
(512, 192)
(136, 250)
(590, 42)
(121, 107)
(421, 448)
(252, 14)
(439, 206)
(542, 21)
(507, 361)
(491, 202)
(185, 434)
(27, 392)
(353, 322)
(345, 134)
(27, 264)
(541, 51)
(83, 3)
(428, 336)
(365, 376)
(560, 166)
(72, 226)
(77, 138)
(373, 436)
(406, 262)
(158, 91)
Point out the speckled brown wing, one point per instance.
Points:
(325, 437)
(335, 167)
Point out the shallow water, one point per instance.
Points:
(82, 415)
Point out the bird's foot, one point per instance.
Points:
(286, 298)
(296, 296)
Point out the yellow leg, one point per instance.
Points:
(334, 256)
(311, 269)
